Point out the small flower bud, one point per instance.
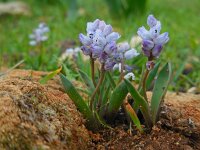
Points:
(130, 76)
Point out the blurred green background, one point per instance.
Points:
(67, 18)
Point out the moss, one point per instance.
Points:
(43, 117)
(16, 141)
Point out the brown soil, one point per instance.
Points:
(35, 116)
(178, 129)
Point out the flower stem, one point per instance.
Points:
(92, 70)
(122, 71)
(41, 55)
(144, 84)
(145, 77)
(98, 86)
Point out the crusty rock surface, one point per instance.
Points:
(35, 116)
(182, 115)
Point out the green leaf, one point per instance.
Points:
(188, 79)
(160, 88)
(150, 78)
(78, 101)
(103, 86)
(179, 71)
(83, 65)
(133, 116)
(99, 97)
(104, 102)
(68, 73)
(152, 75)
(117, 99)
(112, 82)
(103, 123)
(141, 79)
(50, 76)
(105, 96)
(87, 81)
(79, 61)
(140, 101)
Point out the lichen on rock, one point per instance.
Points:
(35, 116)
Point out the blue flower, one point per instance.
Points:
(100, 42)
(39, 34)
(153, 41)
(131, 53)
(123, 52)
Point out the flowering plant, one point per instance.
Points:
(106, 94)
(37, 39)
(39, 34)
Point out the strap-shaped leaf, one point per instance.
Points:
(50, 76)
(117, 99)
(150, 78)
(83, 64)
(133, 116)
(112, 82)
(160, 88)
(103, 123)
(76, 98)
(179, 71)
(105, 96)
(104, 102)
(140, 101)
(103, 93)
(141, 77)
(103, 86)
(70, 75)
(152, 75)
(87, 81)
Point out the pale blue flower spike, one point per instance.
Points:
(100, 44)
(38, 34)
(153, 41)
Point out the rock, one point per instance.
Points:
(187, 104)
(194, 90)
(14, 8)
(35, 116)
(181, 114)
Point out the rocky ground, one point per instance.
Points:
(35, 116)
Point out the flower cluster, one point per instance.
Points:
(153, 41)
(39, 34)
(100, 43)
(123, 52)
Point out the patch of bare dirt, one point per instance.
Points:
(158, 139)
(181, 114)
(178, 129)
